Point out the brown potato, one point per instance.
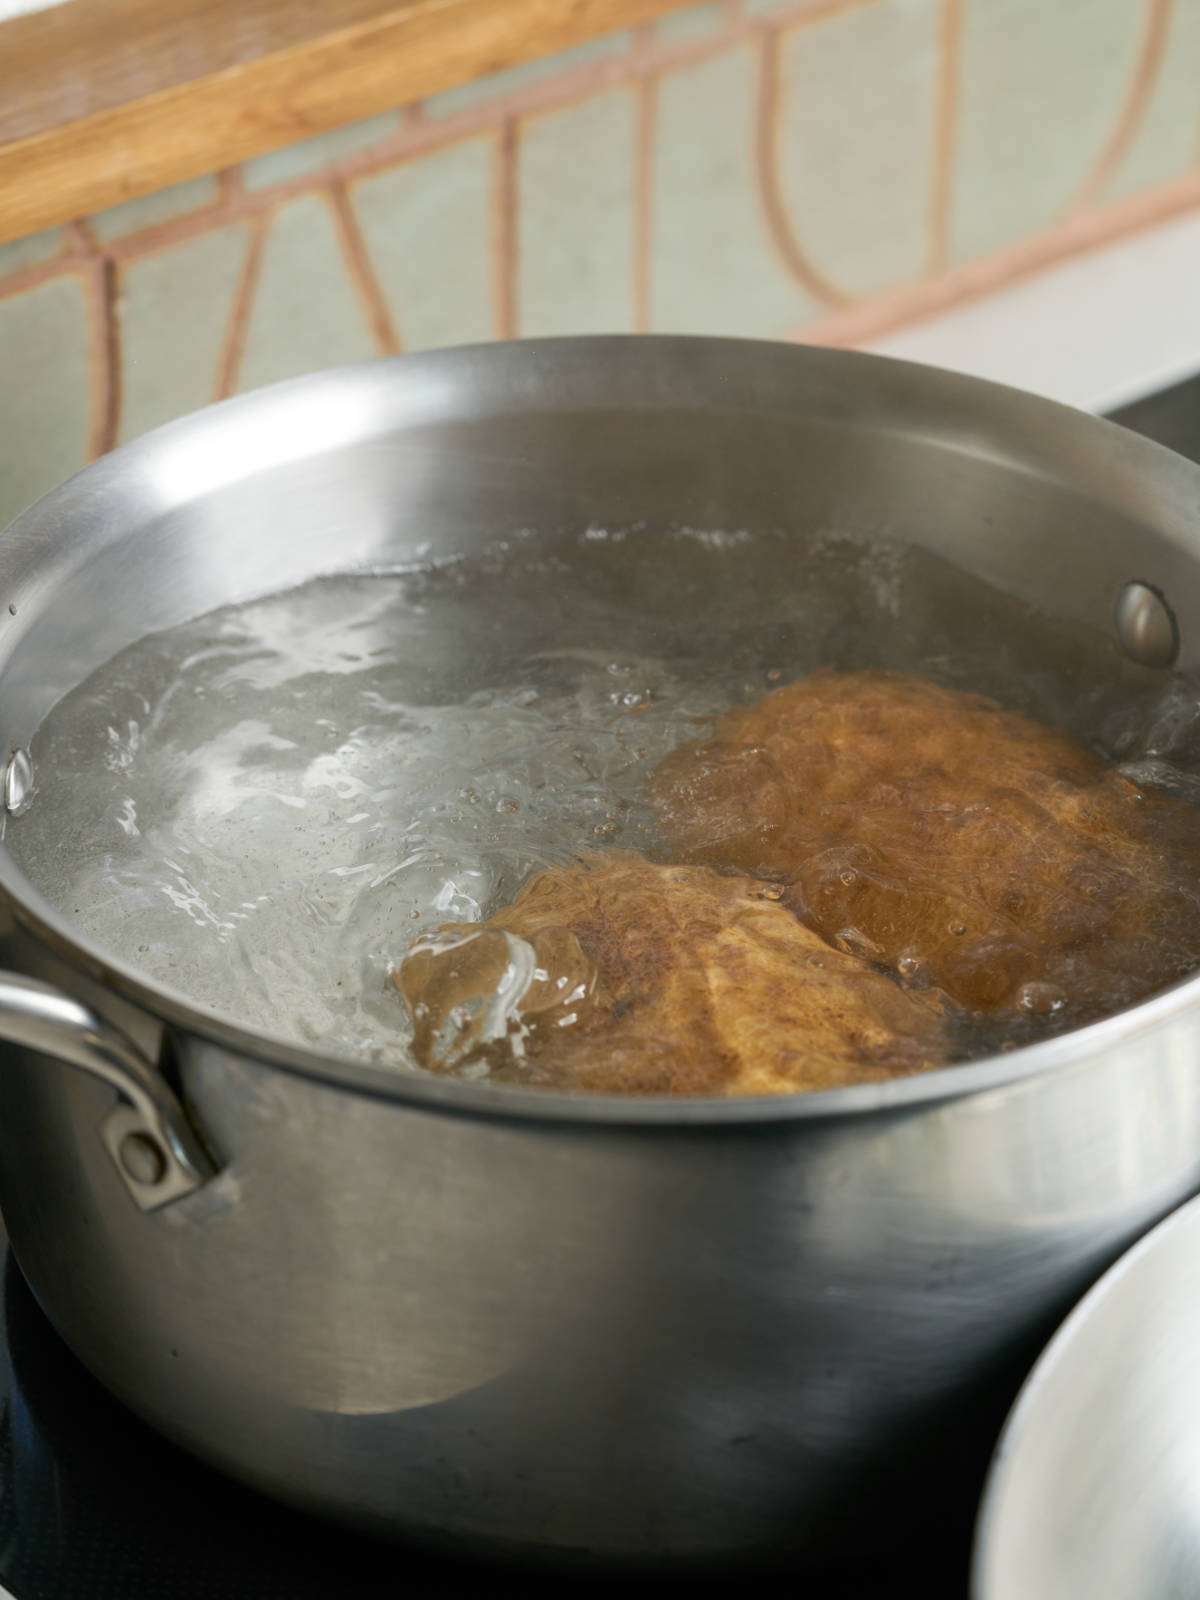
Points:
(615, 975)
(934, 833)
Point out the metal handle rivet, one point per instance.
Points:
(1146, 626)
(142, 1158)
(18, 781)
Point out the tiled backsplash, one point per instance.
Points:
(822, 170)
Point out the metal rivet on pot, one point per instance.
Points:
(18, 781)
(1146, 626)
(142, 1158)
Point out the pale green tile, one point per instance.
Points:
(713, 269)
(175, 307)
(1165, 145)
(428, 226)
(45, 399)
(687, 27)
(1042, 86)
(575, 218)
(296, 160)
(27, 252)
(856, 138)
(498, 84)
(164, 204)
(306, 314)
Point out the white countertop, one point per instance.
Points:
(1096, 332)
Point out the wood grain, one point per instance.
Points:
(102, 100)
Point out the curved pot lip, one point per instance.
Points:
(425, 1090)
(560, 360)
(1183, 1219)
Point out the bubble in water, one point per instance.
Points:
(1040, 999)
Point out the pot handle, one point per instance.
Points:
(148, 1136)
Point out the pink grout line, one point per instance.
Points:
(647, 115)
(105, 364)
(1133, 109)
(80, 238)
(230, 358)
(504, 231)
(945, 133)
(1071, 236)
(361, 272)
(770, 189)
(645, 40)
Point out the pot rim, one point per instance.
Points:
(511, 1102)
(51, 927)
(1058, 1351)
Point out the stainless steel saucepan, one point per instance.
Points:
(632, 1328)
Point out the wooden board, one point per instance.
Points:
(101, 100)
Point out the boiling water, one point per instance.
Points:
(261, 809)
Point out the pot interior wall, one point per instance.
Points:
(429, 457)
